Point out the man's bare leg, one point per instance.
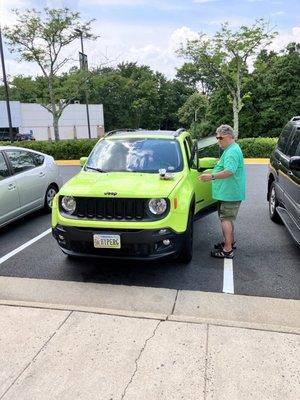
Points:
(228, 233)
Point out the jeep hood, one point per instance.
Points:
(124, 184)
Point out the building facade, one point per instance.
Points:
(36, 119)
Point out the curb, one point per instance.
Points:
(250, 312)
(84, 309)
(154, 316)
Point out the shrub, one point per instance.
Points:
(251, 147)
(74, 149)
(61, 150)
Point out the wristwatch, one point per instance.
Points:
(213, 177)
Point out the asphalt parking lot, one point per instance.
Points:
(266, 262)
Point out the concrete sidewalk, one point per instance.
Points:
(67, 340)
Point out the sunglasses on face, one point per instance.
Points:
(219, 137)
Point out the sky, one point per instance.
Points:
(150, 31)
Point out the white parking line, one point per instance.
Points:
(30, 242)
(228, 286)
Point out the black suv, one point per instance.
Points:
(284, 179)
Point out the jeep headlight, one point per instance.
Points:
(157, 206)
(68, 203)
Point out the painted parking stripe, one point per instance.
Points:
(20, 248)
(228, 286)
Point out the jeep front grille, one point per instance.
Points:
(110, 208)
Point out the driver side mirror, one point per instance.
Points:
(83, 161)
(206, 163)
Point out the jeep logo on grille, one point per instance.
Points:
(110, 193)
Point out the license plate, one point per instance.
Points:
(107, 241)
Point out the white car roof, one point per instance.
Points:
(21, 148)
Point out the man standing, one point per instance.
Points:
(228, 187)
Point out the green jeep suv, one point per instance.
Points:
(136, 196)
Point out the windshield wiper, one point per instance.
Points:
(95, 169)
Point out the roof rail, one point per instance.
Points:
(296, 118)
(178, 132)
(119, 130)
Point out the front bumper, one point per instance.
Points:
(138, 244)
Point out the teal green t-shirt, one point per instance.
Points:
(234, 187)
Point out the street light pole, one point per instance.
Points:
(6, 90)
(85, 66)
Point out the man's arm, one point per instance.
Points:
(218, 175)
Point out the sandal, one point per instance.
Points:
(219, 246)
(221, 253)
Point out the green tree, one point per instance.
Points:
(275, 88)
(41, 38)
(134, 96)
(222, 60)
(193, 110)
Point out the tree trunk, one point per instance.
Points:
(235, 109)
(53, 109)
(55, 126)
(237, 104)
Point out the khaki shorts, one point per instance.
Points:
(227, 210)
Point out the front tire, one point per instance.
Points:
(186, 252)
(273, 204)
(51, 192)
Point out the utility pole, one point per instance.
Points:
(84, 65)
(6, 90)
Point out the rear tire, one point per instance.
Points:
(186, 252)
(51, 191)
(273, 204)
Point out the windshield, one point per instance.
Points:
(135, 155)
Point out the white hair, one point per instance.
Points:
(227, 130)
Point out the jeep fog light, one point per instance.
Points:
(68, 204)
(157, 206)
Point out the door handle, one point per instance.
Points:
(11, 186)
(290, 173)
(41, 174)
(279, 163)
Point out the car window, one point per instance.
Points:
(135, 155)
(292, 149)
(20, 160)
(38, 159)
(4, 172)
(284, 137)
(298, 150)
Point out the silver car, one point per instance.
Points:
(29, 180)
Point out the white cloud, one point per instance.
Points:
(151, 44)
(284, 38)
(296, 32)
(6, 15)
(180, 37)
(138, 44)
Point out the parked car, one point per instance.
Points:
(137, 196)
(5, 134)
(284, 179)
(29, 180)
(25, 136)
